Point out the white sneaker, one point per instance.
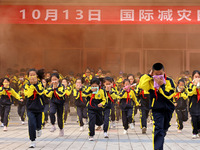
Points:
(194, 136)
(81, 128)
(86, 121)
(125, 132)
(105, 135)
(53, 128)
(132, 126)
(38, 133)
(5, 128)
(179, 131)
(91, 138)
(2, 125)
(113, 124)
(33, 144)
(61, 133)
(23, 122)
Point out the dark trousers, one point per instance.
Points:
(34, 123)
(113, 113)
(195, 124)
(143, 116)
(82, 113)
(161, 124)
(127, 117)
(46, 112)
(118, 112)
(5, 111)
(67, 110)
(95, 117)
(106, 119)
(59, 109)
(182, 115)
(21, 112)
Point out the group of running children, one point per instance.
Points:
(97, 97)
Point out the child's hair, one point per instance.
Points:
(65, 79)
(108, 79)
(82, 80)
(1, 82)
(129, 75)
(194, 72)
(181, 80)
(95, 80)
(124, 75)
(40, 73)
(158, 66)
(55, 74)
(126, 80)
(5, 79)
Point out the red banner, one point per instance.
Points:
(18, 14)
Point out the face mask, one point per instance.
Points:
(127, 88)
(156, 85)
(96, 90)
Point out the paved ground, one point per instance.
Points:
(17, 137)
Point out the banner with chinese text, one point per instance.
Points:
(19, 14)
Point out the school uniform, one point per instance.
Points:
(127, 101)
(195, 109)
(180, 98)
(57, 100)
(46, 108)
(87, 79)
(95, 115)
(21, 109)
(6, 100)
(80, 103)
(143, 98)
(68, 92)
(161, 103)
(35, 107)
(111, 97)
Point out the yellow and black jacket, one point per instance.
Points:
(143, 98)
(94, 99)
(161, 99)
(111, 97)
(194, 106)
(181, 99)
(127, 99)
(34, 96)
(87, 79)
(56, 95)
(80, 97)
(6, 96)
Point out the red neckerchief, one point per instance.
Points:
(8, 93)
(35, 94)
(110, 97)
(56, 95)
(142, 93)
(81, 96)
(91, 100)
(198, 95)
(177, 95)
(114, 85)
(156, 94)
(128, 97)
